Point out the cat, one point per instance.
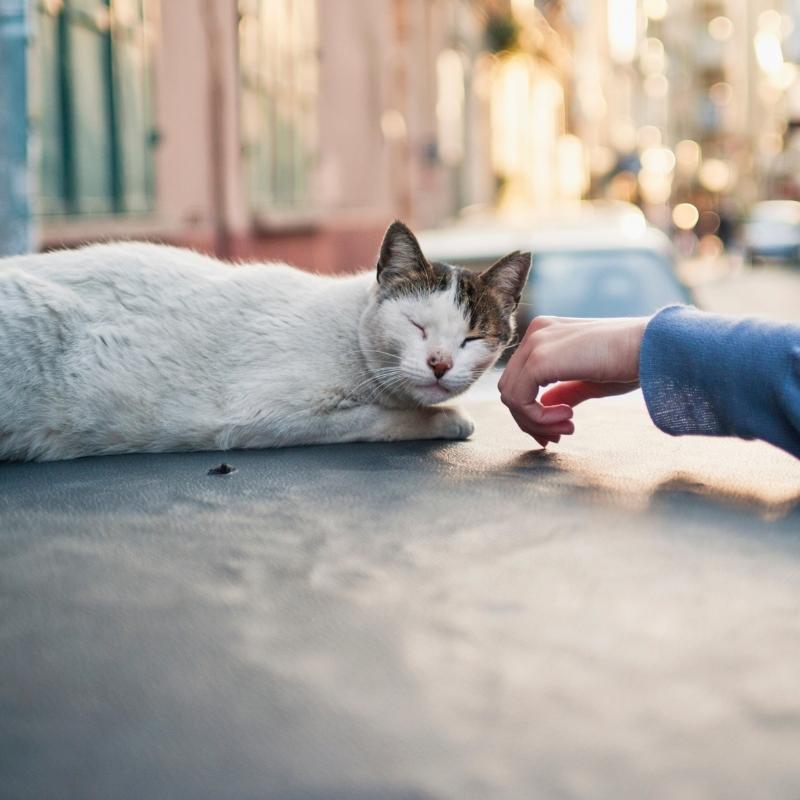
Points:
(133, 347)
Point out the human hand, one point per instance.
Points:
(584, 357)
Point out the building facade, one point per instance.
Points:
(292, 129)
(297, 129)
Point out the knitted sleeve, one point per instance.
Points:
(720, 376)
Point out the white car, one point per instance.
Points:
(622, 267)
(773, 231)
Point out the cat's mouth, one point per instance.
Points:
(434, 387)
(435, 391)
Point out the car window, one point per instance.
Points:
(602, 284)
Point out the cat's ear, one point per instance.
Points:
(507, 277)
(400, 256)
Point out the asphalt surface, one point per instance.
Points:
(619, 618)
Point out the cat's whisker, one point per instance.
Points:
(381, 352)
(380, 377)
(390, 383)
(509, 346)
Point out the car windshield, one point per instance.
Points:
(602, 284)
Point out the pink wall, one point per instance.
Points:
(375, 56)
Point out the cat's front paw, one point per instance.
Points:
(450, 423)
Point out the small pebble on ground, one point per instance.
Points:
(222, 469)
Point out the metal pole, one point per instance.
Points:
(15, 217)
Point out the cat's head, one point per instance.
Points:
(432, 329)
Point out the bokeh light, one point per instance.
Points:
(656, 10)
(688, 155)
(715, 175)
(721, 93)
(658, 159)
(720, 29)
(685, 216)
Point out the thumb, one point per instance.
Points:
(573, 392)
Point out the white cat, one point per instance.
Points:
(137, 347)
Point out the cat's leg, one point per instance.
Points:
(375, 423)
(370, 423)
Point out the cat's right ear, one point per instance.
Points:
(400, 256)
(507, 277)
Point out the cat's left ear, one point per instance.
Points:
(400, 256)
(507, 277)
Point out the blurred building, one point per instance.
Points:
(296, 129)
(272, 128)
(686, 103)
(292, 129)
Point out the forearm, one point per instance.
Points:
(718, 376)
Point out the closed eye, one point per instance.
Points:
(471, 339)
(419, 327)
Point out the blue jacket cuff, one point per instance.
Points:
(708, 374)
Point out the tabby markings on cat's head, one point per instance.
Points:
(434, 327)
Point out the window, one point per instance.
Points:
(279, 73)
(91, 106)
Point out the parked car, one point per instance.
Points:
(773, 231)
(622, 268)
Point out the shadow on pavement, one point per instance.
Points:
(684, 491)
(680, 493)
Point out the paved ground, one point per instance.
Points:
(620, 618)
(730, 287)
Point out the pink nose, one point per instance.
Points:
(439, 365)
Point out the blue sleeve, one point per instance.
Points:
(721, 376)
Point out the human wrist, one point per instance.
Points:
(634, 334)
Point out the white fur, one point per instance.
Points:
(137, 347)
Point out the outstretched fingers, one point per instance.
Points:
(519, 387)
(543, 424)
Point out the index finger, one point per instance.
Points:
(519, 388)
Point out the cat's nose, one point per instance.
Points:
(439, 365)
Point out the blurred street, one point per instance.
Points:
(728, 286)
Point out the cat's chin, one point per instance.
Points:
(432, 393)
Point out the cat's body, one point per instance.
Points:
(136, 347)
